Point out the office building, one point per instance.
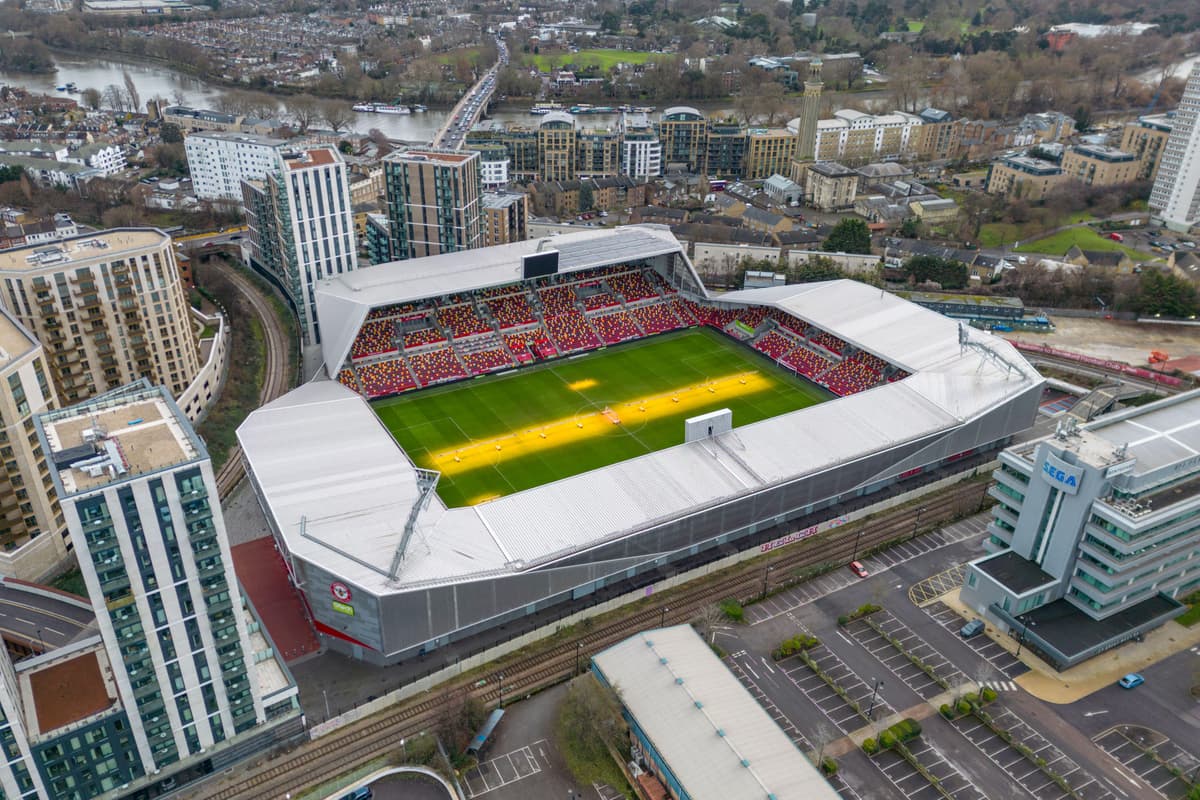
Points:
(301, 226)
(220, 160)
(433, 202)
(31, 523)
(505, 217)
(1098, 165)
(1175, 199)
(180, 683)
(1095, 532)
(108, 308)
(641, 151)
(1145, 138)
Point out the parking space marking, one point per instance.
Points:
(835, 709)
(809, 591)
(503, 770)
(898, 662)
(1130, 745)
(1008, 665)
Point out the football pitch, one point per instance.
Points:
(501, 434)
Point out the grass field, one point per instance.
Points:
(504, 433)
(1058, 244)
(602, 59)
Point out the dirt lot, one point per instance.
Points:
(1130, 342)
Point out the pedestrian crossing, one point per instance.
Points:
(999, 686)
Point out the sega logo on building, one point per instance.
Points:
(1061, 475)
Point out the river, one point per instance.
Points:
(158, 80)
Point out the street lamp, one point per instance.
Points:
(1025, 623)
(403, 750)
(917, 524)
(501, 681)
(854, 555)
(874, 694)
(662, 617)
(325, 694)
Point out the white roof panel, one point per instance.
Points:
(716, 739)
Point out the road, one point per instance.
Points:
(39, 621)
(469, 109)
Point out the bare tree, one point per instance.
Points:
(337, 115)
(131, 93)
(708, 618)
(822, 738)
(304, 110)
(178, 97)
(114, 98)
(383, 145)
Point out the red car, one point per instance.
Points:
(858, 569)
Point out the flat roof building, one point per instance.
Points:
(1096, 531)
(700, 732)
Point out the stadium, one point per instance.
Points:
(514, 428)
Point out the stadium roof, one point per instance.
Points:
(344, 300)
(339, 486)
(715, 738)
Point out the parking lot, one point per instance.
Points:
(1005, 663)
(502, 770)
(1131, 745)
(839, 579)
(899, 663)
(1020, 768)
(916, 786)
(837, 710)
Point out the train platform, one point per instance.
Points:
(264, 577)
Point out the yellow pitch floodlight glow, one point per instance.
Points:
(570, 430)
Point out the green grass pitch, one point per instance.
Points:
(435, 420)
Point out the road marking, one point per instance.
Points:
(750, 669)
(766, 665)
(1095, 713)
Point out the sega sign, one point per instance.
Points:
(1061, 475)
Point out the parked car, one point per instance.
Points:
(972, 628)
(1131, 681)
(1116, 237)
(858, 569)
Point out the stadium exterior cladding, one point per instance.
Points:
(337, 489)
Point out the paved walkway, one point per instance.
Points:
(1069, 686)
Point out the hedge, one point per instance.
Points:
(789, 647)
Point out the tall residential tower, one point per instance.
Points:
(1175, 199)
(433, 202)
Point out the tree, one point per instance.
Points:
(1083, 118)
(91, 98)
(816, 268)
(170, 133)
(850, 235)
(1166, 294)
(586, 197)
(337, 115)
(114, 98)
(610, 22)
(949, 273)
(589, 723)
(459, 721)
(131, 93)
(383, 145)
(305, 110)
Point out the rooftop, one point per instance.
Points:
(832, 169)
(499, 199)
(438, 156)
(69, 690)
(310, 158)
(85, 249)
(713, 735)
(131, 431)
(235, 136)
(1164, 435)
(15, 341)
(1104, 152)
(1017, 574)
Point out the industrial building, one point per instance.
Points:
(390, 571)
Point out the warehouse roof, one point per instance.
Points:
(712, 734)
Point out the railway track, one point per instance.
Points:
(358, 743)
(275, 373)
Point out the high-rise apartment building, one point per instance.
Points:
(641, 151)
(556, 138)
(769, 151)
(31, 523)
(108, 308)
(301, 226)
(493, 165)
(433, 202)
(682, 131)
(1175, 199)
(219, 161)
(597, 153)
(140, 499)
